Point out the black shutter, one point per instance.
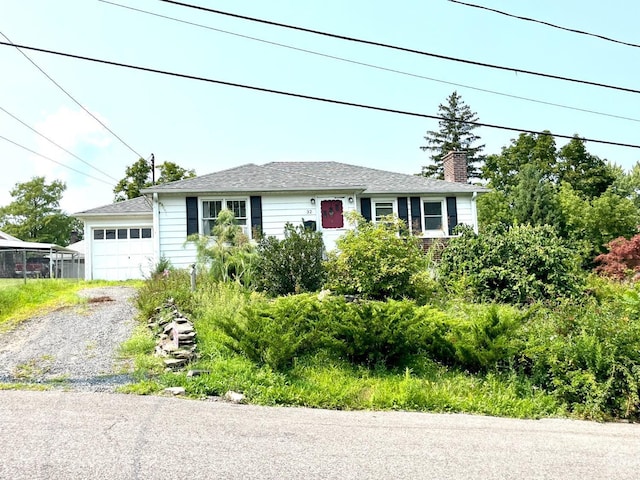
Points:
(365, 208)
(403, 210)
(416, 224)
(256, 215)
(452, 214)
(192, 215)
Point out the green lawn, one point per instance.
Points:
(20, 301)
(10, 282)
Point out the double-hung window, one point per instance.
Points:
(382, 209)
(432, 214)
(212, 208)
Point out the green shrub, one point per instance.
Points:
(518, 265)
(227, 255)
(390, 333)
(372, 333)
(483, 336)
(154, 292)
(291, 265)
(588, 355)
(276, 332)
(378, 261)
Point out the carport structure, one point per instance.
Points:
(20, 259)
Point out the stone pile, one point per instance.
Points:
(176, 336)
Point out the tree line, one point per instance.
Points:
(587, 200)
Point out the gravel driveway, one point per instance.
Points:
(74, 348)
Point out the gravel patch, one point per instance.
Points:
(74, 348)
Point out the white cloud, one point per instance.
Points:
(74, 130)
(77, 132)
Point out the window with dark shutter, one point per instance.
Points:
(256, 215)
(192, 215)
(365, 208)
(452, 214)
(403, 209)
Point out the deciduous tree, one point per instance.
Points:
(35, 214)
(139, 176)
(587, 174)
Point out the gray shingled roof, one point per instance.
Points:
(135, 206)
(311, 176)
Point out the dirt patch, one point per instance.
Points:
(102, 299)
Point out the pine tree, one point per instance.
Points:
(455, 134)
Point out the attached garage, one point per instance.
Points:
(119, 241)
(120, 253)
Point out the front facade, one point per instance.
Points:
(263, 199)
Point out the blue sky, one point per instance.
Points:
(210, 127)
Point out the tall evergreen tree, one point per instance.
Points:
(455, 133)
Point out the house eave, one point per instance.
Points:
(244, 191)
(113, 214)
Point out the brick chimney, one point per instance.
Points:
(455, 167)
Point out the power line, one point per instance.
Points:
(57, 145)
(55, 161)
(566, 29)
(404, 49)
(73, 99)
(377, 67)
(310, 97)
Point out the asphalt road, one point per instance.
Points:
(75, 435)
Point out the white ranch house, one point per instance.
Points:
(126, 240)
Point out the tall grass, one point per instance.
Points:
(577, 358)
(20, 301)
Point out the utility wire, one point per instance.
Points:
(310, 97)
(55, 161)
(403, 49)
(73, 99)
(377, 67)
(57, 145)
(566, 29)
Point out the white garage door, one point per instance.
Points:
(121, 253)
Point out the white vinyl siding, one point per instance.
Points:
(465, 211)
(277, 210)
(172, 227)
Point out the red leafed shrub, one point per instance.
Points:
(623, 259)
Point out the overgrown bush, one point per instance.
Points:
(379, 261)
(623, 259)
(483, 336)
(276, 332)
(519, 265)
(291, 265)
(370, 333)
(227, 254)
(587, 354)
(154, 292)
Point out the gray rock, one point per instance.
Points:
(174, 390)
(234, 397)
